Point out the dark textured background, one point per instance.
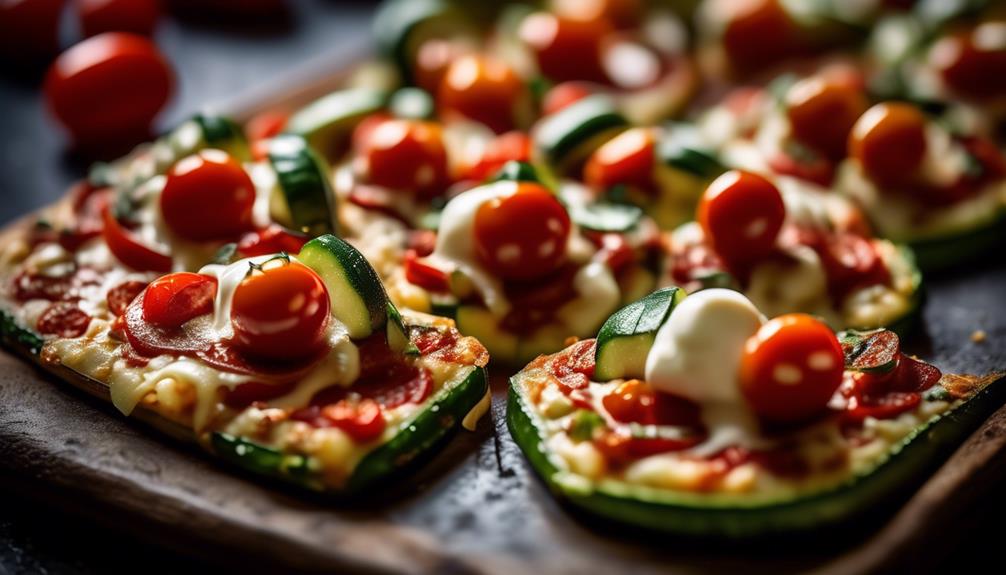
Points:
(214, 63)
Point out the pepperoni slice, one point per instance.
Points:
(63, 319)
(119, 297)
(397, 385)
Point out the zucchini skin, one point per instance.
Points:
(19, 338)
(938, 254)
(894, 479)
(416, 437)
(303, 178)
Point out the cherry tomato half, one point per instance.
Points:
(481, 88)
(973, 64)
(889, 141)
(208, 196)
(822, 111)
(109, 88)
(402, 155)
(791, 368)
(522, 236)
(171, 300)
(566, 48)
(625, 159)
(741, 214)
(129, 250)
(136, 16)
(280, 312)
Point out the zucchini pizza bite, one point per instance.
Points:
(697, 415)
(522, 268)
(296, 367)
(791, 247)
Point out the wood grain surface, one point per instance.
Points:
(476, 507)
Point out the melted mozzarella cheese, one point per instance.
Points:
(340, 367)
(266, 184)
(455, 249)
(696, 354)
(598, 297)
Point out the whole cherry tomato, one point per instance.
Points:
(129, 250)
(889, 141)
(280, 312)
(565, 48)
(822, 111)
(756, 33)
(522, 236)
(973, 63)
(109, 88)
(741, 214)
(208, 196)
(171, 300)
(625, 159)
(402, 155)
(136, 16)
(791, 368)
(433, 58)
(481, 88)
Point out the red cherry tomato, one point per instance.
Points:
(424, 275)
(741, 214)
(621, 13)
(271, 240)
(128, 250)
(635, 402)
(791, 368)
(511, 146)
(564, 94)
(625, 159)
(756, 33)
(29, 30)
(63, 319)
(522, 236)
(566, 48)
(433, 58)
(261, 127)
(109, 88)
(208, 196)
(481, 88)
(280, 312)
(362, 420)
(119, 297)
(403, 155)
(973, 64)
(174, 299)
(822, 111)
(136, 16)
(889, 141)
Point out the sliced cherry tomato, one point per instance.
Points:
(29, 30)
(564, 94)
(362, 420)
(741, 214)
(822, 111)
(271, 240)
(280, 312)
(791, 368)
(511, 146)
(973, 63)
(108, 89)
(481, 88)
(403, 155)
(522, 236)
(889, 142)
(128, 250)
(756, 33)
(627, 158)
(136, 16)
(565, 48)
(176, 298)
(63, 319)
(208, 196)
(119, 297)
(424, 275)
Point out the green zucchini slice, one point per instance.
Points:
(357, 294)
(303, 178)
(412, 103)
(626, 338)
(682, 148)
(328, 122)
(906, 464)
(401, 26)
(574, 132)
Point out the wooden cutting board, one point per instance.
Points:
(476, 507)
